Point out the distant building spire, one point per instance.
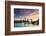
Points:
(31, 21)
(25, 18)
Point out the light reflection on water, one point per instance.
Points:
(22, 25)
(19, 25)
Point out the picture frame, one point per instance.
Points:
(10, 7)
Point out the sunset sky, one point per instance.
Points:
(28, 13)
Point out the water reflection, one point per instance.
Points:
(23, 23)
